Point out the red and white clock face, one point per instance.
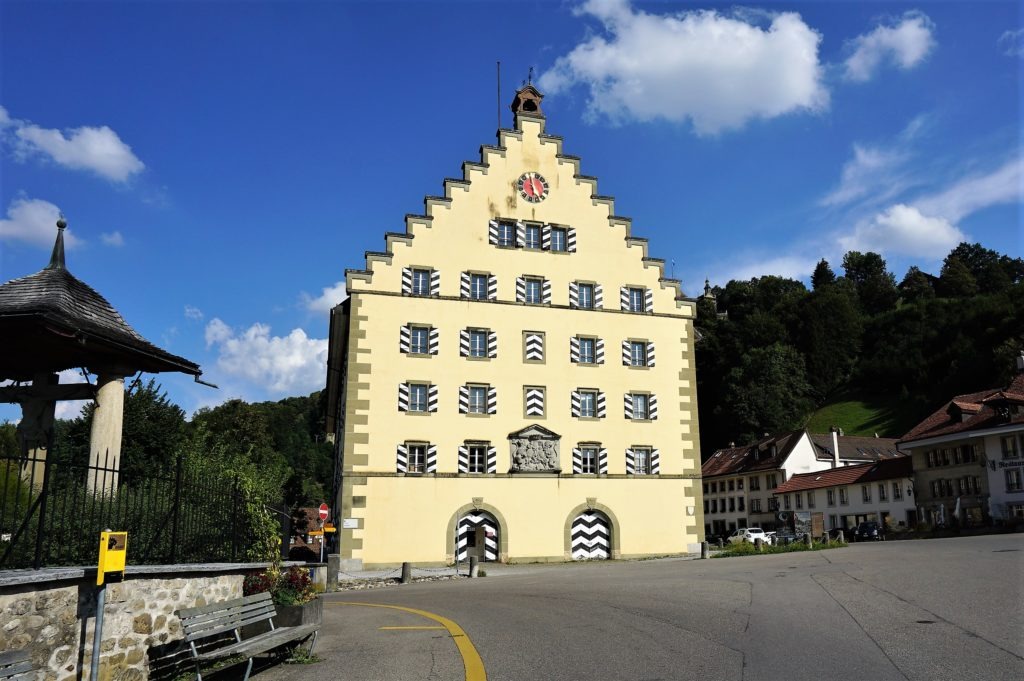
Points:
(533, 187)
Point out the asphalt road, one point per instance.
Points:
(923, 610)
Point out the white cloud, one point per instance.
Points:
(34, 221)
(863, 173)
(788, 266)
(1011, 43)
(97, 149)
(905, 43)
(1002, 185)
(328, 298)
(282, 365)
(194, 313)
(112, 239)
(718, 71)
(904, 230)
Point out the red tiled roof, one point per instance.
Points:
(972, 412)
(886, 469)
(755, 457)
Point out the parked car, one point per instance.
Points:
(748, 535)
(868, 531)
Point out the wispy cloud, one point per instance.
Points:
(904, 230)
(114, 239)
(329, 297)
(1011, 43)
(193, 313)
(97, 149)
(744, 267)
(905, 43)
(716, 70)
(279, 365)
(33, 221)
(1001, 185)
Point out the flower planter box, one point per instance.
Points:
(289, 616)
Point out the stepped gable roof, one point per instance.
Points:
(992, 408)
(854, 447)
(51, 321)
(886, 469)
(765, 454)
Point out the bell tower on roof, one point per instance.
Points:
(527, 103)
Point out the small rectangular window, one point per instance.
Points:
(417, 397)
(772, 484)
(865, 492)
(420, 282)
(587, 351)
(732, 503)
(419, 340)
(642, 461)
(588, 403)
(799, 499)
(755, 483)
(641, 410)
(477, 399)
(636, 300)
(532, 236)
(637, 353)
(557, 239)
(477, 343)
(830, 497)
(1008, 444)
(478, 286)
(478, 458)
(533, 290)
(732, 485)
(755, 505)
(417, 459)
(739, 484)
(786, 502)
(506, 234)
(810, 499)
(589, 460)
(1013, 480)
(586, 296)
(881, 491)
(843, 496)
(897, 491)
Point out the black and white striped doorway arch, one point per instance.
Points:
(477, 535)
(591, 536)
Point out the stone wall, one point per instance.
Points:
(52, 615)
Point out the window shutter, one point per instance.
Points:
(492, 287)
(464, 279)
(432, 398)
(407, 280)
(492, 344)
(534, 347)
(534, 402)
(520, 235)
(492, 232)
(570, 240)
(650, 354)
(492, 459)
(626, 354)
(648, 300)
(402, 459)
(434, 340)
(599, 351)
(598, 297)
(432, 458)
(545, 237)
(464, 343)
(577, 460)
(575, 403)
(624, 297)
(630, 462)
(463, 399)
(463, 459)
(574, 294)
(404, 339)
(652, 406)
(602, 461)
(403, 397)
(628, 406)
(492, 400)
(574, 349)
(520, 290)
(545, 295)
(656, 462)
(435, 282)
(600, 406)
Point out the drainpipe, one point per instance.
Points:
(835, 447)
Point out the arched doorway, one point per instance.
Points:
(477, 535)
(591, 536)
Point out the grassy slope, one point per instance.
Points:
(859, 414)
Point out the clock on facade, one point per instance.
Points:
(533, 187)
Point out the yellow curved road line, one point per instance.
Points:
(470, 658)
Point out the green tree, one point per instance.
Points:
(823, 275)
(916, 286)
(831, 337)
(875, 285)
(768, 392)
(992, 272)
(956, 279)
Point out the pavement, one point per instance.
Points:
(923, 610)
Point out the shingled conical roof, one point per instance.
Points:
(51, 321)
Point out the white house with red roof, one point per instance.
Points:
(880, 491)
(969, 457)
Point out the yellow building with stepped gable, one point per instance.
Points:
(513, 377)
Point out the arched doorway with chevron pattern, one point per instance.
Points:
(477, 535)
(591, 534)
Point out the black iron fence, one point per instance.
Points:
(52, 511)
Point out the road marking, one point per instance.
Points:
(406, 628)
(470, 658)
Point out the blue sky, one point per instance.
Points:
(221, 164)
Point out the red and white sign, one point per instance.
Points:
(324, 511)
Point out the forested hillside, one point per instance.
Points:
(870, 354)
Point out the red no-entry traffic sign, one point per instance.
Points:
(324, 511)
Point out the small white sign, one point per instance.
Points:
(350, 523)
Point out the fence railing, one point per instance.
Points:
(52, 511)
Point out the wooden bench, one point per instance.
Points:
(217, 619)
(16, 666)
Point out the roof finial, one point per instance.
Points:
(57, 257)
(529, 77)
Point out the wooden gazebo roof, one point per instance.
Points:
(51, 321)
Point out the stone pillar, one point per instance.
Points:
(105, 438)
